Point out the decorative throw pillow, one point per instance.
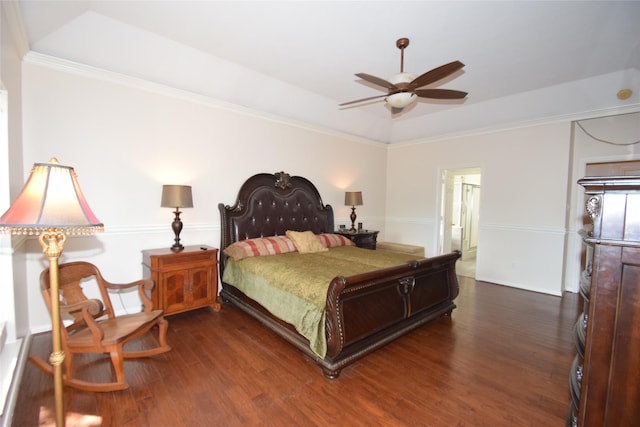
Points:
(259, 247)
(306, 241)
(334, 240)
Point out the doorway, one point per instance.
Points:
(460, 216)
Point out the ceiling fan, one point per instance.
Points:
(403, 89)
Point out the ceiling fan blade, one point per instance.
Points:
(440, 93)
(436, 74)
(362, 100)
(376, 80)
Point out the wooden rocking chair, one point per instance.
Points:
(95, 328)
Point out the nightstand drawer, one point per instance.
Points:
(177, 262)
(367, 240)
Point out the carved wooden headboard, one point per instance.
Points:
(271, 204)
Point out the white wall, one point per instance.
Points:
(126, 138)
(531, 205)
(522, 208)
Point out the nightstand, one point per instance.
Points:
(184, 280)
(363, 239)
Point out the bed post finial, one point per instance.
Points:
(282, 180)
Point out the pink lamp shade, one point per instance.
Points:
(51, 198)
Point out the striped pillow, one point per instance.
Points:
(260, 246)
(333, 240)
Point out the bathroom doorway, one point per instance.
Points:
(460, 216)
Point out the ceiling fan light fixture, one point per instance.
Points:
(401, 99)
(401, 78)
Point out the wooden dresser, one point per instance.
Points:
(605, 376)
(184, 280)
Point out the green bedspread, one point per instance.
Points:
(293, 286)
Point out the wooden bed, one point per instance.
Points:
(363, 312)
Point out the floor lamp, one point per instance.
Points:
(51, 206)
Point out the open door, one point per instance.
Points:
(460, 216)
(469, 219)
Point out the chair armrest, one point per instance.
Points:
(93, 307)
(143, 285)
(89, 308)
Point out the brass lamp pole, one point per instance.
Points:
(52, 242)
(52, 206)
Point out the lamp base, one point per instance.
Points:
(353, 219)
(176, 226)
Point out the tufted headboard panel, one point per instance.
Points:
(271, 204)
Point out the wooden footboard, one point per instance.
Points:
(367, 311)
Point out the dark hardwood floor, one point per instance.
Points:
(502, 359)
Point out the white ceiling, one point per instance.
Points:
(525, 61)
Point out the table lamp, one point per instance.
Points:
(176, 196)
(353, 199)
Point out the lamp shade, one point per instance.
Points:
(353, 198)
(51, 198)
(176, 196)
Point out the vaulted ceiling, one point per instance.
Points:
(525, 61)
